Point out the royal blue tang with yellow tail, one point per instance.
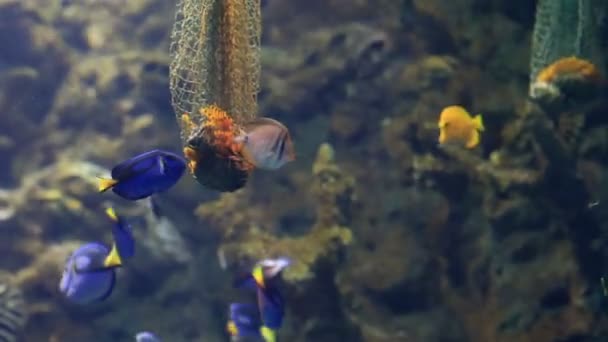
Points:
(270, 302)
(145, 174)
(89, 274)
(85, 279)
(244, 321)
(123, 246)
(271, 306)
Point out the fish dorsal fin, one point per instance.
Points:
(132, 165)
(264, 121)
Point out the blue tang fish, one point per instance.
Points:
(90, 272)
(146, 336)
(245, 322)
(271, 306)
(145, 174)
(124, 243)
(270, 302)
(85, 279)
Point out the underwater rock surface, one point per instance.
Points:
(398, 239)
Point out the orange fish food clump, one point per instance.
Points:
(213, 153)
(222, 153)
(221, 131)
(456, 124)
(569, 67)
(568, 77)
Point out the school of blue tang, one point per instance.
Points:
(89, 274)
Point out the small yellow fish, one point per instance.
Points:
(456, 124)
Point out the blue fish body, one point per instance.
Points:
(271, 306)
(245, 319)
(245, 281)
(146, 174)
(85, 279)
(146, 336)
(123, 238)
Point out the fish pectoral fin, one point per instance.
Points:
(113, 259)
(442, 136)
(105, 184)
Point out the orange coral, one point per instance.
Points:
(569, 67)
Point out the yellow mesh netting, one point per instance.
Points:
(215, 50)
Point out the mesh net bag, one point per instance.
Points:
(215, 59)
(565, 28)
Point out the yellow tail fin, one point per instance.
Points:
(232, 329)
(478, 121)
(105, 184)
(113, 258)
(268, 334)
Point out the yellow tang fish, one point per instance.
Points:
(456, 124)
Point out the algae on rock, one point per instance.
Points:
(333, 191)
